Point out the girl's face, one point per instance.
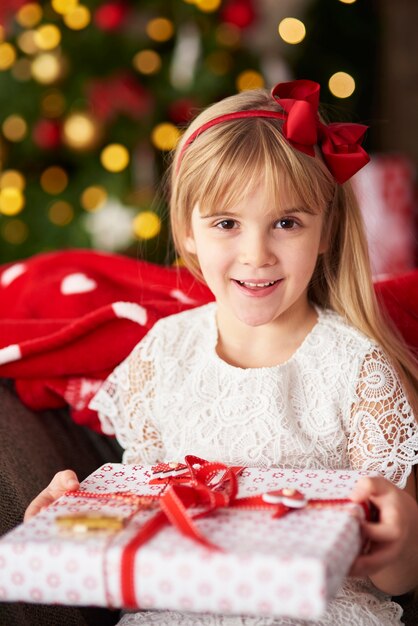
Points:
(258, 260)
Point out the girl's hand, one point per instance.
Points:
(62, 482)
(392, 540)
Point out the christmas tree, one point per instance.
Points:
(92, 98)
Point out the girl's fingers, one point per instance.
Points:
(378, 558)
(382, 533)
(63, 481)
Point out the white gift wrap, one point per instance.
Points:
(288, 566)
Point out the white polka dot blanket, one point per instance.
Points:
(68, 318)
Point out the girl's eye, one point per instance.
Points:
(226, 224)
(286, 223)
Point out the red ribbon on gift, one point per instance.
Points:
(206, 486)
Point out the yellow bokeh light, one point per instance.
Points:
(160, 29)
(14, 128)
(207, 6)
(341, 85)
(12, 178)
(53, 103)
(15, 231)
(146, 225)
(115, 157)
(61, 213)
(27, 42)
(219, 62)
(29, 15)
(54, 180)
(348, 1)
(21, 70)
(78, 18)
(93, 198)
(81, 131)
(46, 68)
(147, 62)
(249, 79)
(228, 35)
(7, 55)
(64, 6)
(165, 136)
(1, 32)
(12, 201)
(47, 37)
(291, 30)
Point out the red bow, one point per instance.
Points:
(340, 143)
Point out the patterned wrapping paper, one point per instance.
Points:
(288, 566)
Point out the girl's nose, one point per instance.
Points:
(256, 251)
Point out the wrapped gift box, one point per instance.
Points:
(266, 566)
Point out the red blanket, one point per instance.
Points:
(68, 318)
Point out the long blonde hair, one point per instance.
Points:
(232, 159)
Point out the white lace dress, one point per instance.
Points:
(336, 403)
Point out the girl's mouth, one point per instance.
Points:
(261, 287)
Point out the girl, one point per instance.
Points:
(292, 365)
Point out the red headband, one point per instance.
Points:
(340, 143)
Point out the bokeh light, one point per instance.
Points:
(46, 68)
(7, 55)
(15, 231)
(64, 6)
(147, 62)
(228, 35)
(146, 225)
(47, 37)
(292, 30)
(53, 103)
(12, 178)
(12, 200)
(14, 128)
(93, 198)
(81, 131)
(21, 70)
(27, 42)
(61, 213)
(115, 157)
(208, 6)
(341, 85)
(348, 1)
(54, 180)
(165, 136)
(78, 18)
(249, 79)
(160, 29)
(29, 15)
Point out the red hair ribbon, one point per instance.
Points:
(340, 143)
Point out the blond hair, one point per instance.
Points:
(232, 159)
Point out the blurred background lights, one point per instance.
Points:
(46, 68)
(146, 225)
(78, 18)
(147, 62)
(228, 35)
(61, 213)
(7, 55)
(165, 136)
(47, 37)
(12, 200)
(54, 180)
(27, 42)
(208, 5)
(15, 231)
(14, 128)
(29, 15)
(53, 103)
(21, 70)
(64, 6)
(219, 62)
(292, 30)
(81, 131)
(160, 29)
(115, 157)
(341, 85)
(93, 198)
(348, 1)
(12, 178)
(249, 79)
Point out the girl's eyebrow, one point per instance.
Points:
(279, 213)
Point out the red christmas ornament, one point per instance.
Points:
(121, 93)
(8, 8)
(46, 134)
(110, 16)
(240, 13)
(181, 111)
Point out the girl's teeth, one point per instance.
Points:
(252, 285)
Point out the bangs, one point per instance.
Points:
(254, 156)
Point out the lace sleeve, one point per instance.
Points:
(383, 436)
(125, 405)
